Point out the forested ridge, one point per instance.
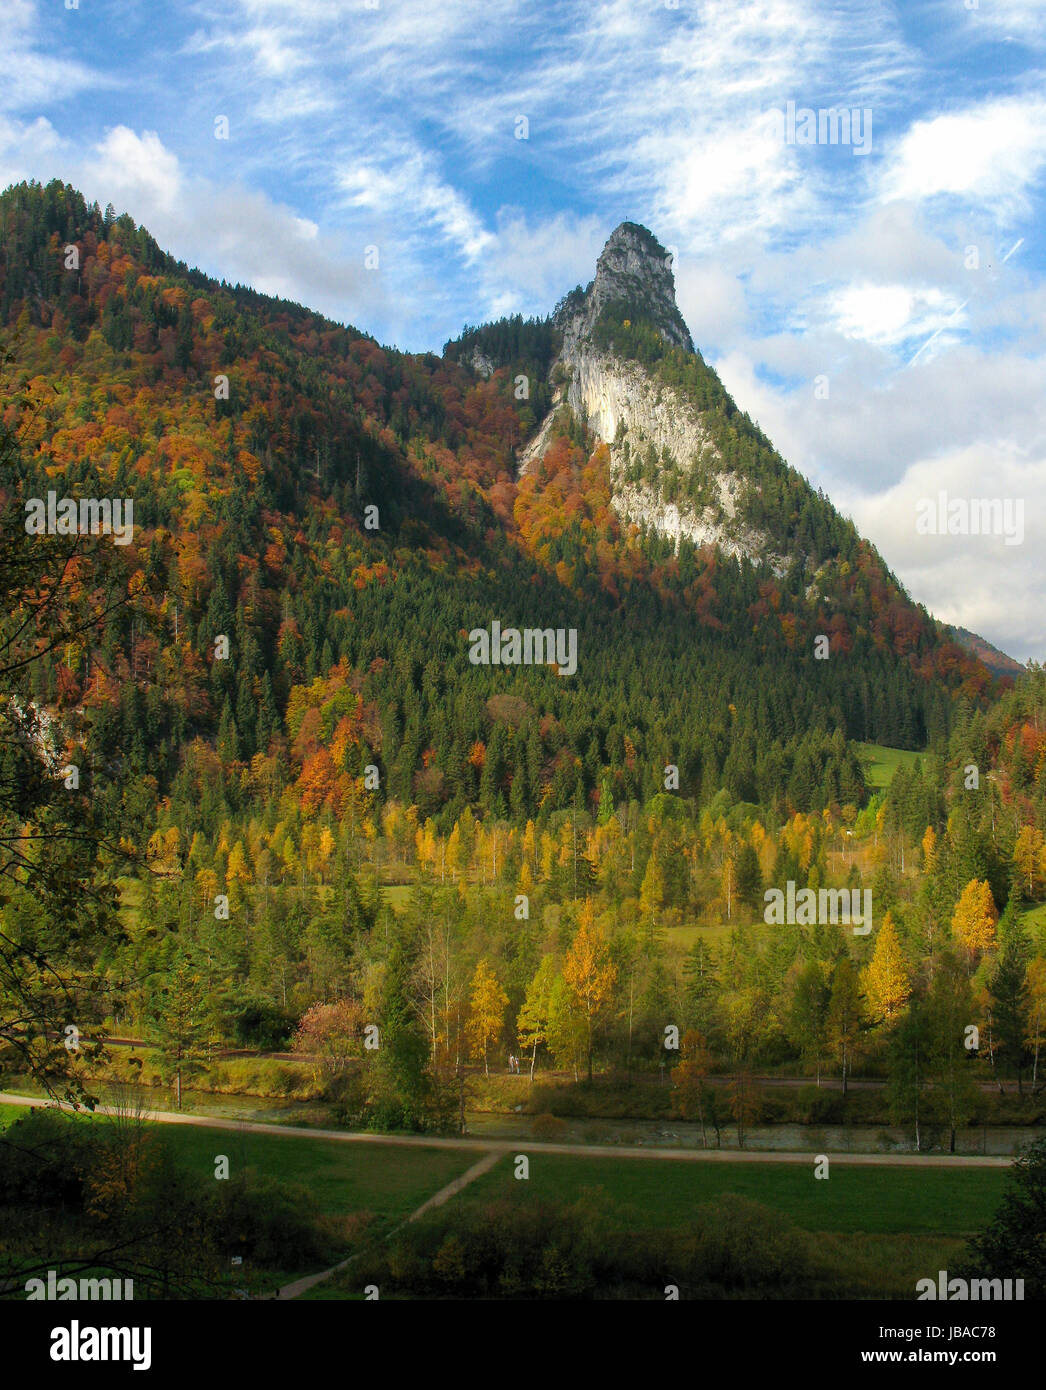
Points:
(280, 717)
(249, 520)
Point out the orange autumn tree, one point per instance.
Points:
(332, 1034)
(590, 974)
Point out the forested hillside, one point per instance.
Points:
(268, 698)
(249, 522)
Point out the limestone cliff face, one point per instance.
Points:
(634, 414)
(666, 472)
(480, 363)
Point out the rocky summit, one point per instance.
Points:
(626, 363)
(634, 274)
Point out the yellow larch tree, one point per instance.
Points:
(589, 973)
(652, 890)
(886, 978)
(974, 918)
(486, 1011)
(1028, 860)
(929, 843)
(237, 869)
(425, 842)
(529, 835)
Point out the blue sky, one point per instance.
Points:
(911, 278)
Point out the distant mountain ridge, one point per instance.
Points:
(996, 661)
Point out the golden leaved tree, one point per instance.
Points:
(929, 844)
(590, 974)
(887, 981)
(974, 918)
(1028, 860)
(486, 1011)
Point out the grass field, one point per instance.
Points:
(385, 1180)
(890, 1224)
(880, 763)
(391, 1181)
(879, 1229)
(878, 1201)
(1034, 922)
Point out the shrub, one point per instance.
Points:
(262, 1025)
(44, 1161)
(548, 1127)
(819, 1106)
(274, 1224)
(534, 1249)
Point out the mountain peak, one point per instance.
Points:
(634, 280)
(632, 249)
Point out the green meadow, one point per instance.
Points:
(889, 1224)
(880, 763)
(878, 1200)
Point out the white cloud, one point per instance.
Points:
(670, 108)
(990, 154)
(227, 230)
(888, 315)
(978, 582)
(32, 77)
(1008, 20)
(531, 262)
(712, 300)
(137, 169)
(407, 187)
(26, 148)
